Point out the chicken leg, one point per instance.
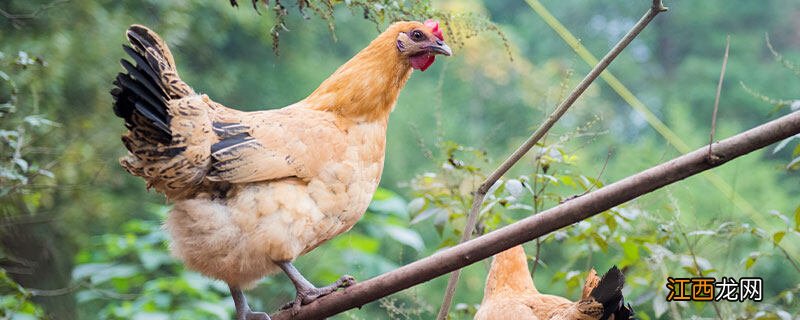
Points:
(243, 311)
(307, 292)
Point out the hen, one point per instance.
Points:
(252, 191)
(511, 294)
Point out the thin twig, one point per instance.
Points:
(16, 19)
(591, 187)
(711, 157)
(537, 207)
(656, 8)
(530, 228)
(788, 257)
(694, 256)
(536, 257)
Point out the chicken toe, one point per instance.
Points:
(307, 292)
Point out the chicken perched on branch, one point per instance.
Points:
(511, 294)
(252, 191)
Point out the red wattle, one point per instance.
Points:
(422, 61)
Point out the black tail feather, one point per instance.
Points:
(141, 90)
(609, 293)
(143, 66)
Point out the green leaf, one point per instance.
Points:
(777, 237)
(427, 214)
(600, 242)
(631, 250)
(357, 241)
(152, 259)
(660, 306)
(797, 219)
(405, 236)
(567, 181)
(416, 205)
(782, 144)
(611, 222)
(751, 260)
(514, 187)
(88, 269)
(388, 202)
(793, 163)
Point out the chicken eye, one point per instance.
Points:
(417, 35)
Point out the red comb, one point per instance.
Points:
(434, 25)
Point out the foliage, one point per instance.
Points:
(23, 172)
(20, 164)
(131, 275)
(649, 246)
(458, 27)
(780, 104)
(473, 108)
(15, 300)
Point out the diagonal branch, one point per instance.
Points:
(548, 221)
(656, 8)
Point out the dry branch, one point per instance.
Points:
(548, 221)
(480, 194)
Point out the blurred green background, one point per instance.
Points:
(81, 239)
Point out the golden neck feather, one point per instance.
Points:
(367, 86)
(509, 271)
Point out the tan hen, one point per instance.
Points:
(252, 191)
(511, 294)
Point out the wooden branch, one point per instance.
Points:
(548, 221)
(480, 194)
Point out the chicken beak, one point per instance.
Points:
(441, 48)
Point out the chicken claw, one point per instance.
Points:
(243, 311)
(307, 292)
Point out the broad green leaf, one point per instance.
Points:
(416, 205)
(431, 212)
(88, 269)
(600, 242)
(357, 241)
(515, 188)
(152, 259)
(631, 250)
(777, 237)
(388, 202)
(782, 144)
(660, 306)
(567, 181)
(405, 236)
(751, 260)
(797, 219)
(794, 162)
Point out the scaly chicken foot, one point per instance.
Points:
(243, 311)
(307, 292)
